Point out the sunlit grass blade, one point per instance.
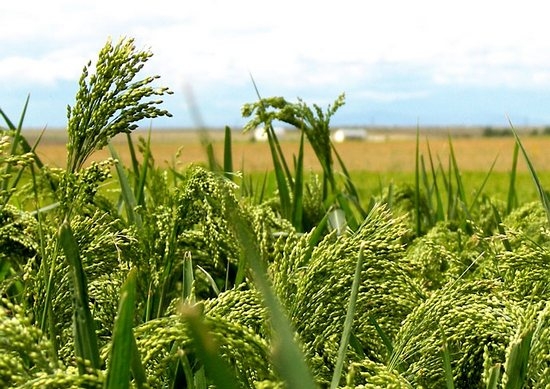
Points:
(439, 212)
(140, 174)
(272, 138)
(133, 156)
(447, 368)
(19, 139)
(211, 281)
(298, 192)
(461, 194)
(126, 191)
(348, 323)
(501, 230)
(227, 154)
(481, 188)
(542, 193)
(282, 183)
(494, 377)
(288, 359)
(86, 346)
(512, 200)
(216, 368)
(188, 278)
(417, 214)
(429, 188)
(517, 361)
(350, 186)
(385, 338)
(123, 341)
(337, 221)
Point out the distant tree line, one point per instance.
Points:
(502, 132)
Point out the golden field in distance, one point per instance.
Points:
(384, 150)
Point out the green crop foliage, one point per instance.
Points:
(199, 277)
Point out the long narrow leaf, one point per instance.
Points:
(494, 377)
(447, 368)
(482, 186)
(127, 193)
(133, 156)
(298, 193)
(512, 201)
(139, 189)
(385, 338)
(86, 345)
(118, 373)
(517, 361)
(348, 323)
(227, 154)
(417, 185)
(542, 193)
(216, 368)
(287, 357)
(461, 194)
(439, 212)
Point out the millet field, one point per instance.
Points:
(130, 272)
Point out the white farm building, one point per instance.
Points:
(345, 134)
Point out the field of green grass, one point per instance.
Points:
(125, 262)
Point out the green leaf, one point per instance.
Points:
(447, 368)
(288, 359)
(216, 368)
(348, 323)
(126, 191)
(518, 359)
(123, 344)
(512, 201)
(298, 195)
(542, 193)
(494, 377)
(86, 347)
(227, 154)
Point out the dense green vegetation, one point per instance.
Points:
(134, 276)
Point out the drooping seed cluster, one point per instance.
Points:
(110, 101)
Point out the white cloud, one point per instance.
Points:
(300, 45)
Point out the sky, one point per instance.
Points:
(399, 62)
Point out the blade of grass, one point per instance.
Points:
(350, 186)
(287, 357)
(542, 193)
(298, 193)
(118, 373)
(501, 230)
(447, 368)
(282, 183)
(142, 173)
(479, 191)
(494, 377)
(512, 201)
(385, 338)
(211, 280)
(418, 225)
(429, 188)
(439, 213)
(189, 278)
(126, 191)
(227, 154)
(517, 361)
(348, 323)
(207, 350)
(86, 346)
(461, 194)
(133, 156)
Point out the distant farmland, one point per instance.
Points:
(385, 151)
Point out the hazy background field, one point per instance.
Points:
(385, 150)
